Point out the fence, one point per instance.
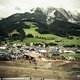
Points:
(26, 78)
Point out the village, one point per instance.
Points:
(13, 52)
(38, 62)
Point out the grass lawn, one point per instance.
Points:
(76, 42)
(70, 55)
(35, 40)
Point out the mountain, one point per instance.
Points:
(53, 20)
(45, 16)
(62, 14)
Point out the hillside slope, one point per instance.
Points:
(55, 21)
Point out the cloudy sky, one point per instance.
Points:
(8, 7)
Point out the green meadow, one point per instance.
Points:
(46, 38)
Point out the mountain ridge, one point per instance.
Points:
(53, 20)
(51, 12)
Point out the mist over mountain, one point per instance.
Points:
(52, 20)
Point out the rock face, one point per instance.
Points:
(62, 14)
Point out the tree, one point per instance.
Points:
(30, 36)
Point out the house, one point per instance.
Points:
(2, 47)
(77, 51)
(4, 56)
(32, 56)
(68, 51)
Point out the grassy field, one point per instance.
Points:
(47, 38)
(70, 55)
